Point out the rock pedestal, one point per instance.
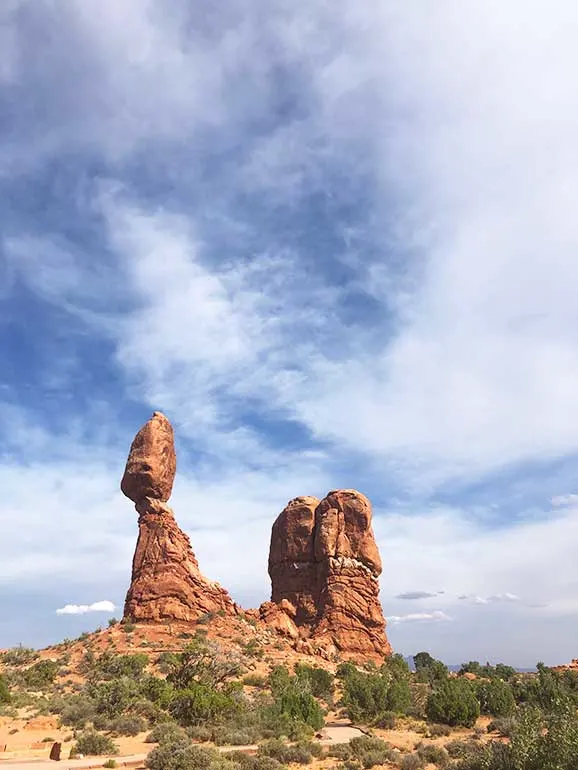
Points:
(166, 581)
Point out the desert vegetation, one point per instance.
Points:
(185, 704)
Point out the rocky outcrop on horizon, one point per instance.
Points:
(166, 581)
(324, 566)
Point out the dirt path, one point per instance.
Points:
(333, 733)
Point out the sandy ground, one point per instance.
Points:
(25, 748)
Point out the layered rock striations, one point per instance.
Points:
(325, 563)
(166, 581)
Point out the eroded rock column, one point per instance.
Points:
(166, 581)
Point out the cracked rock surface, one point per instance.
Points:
(324, 560)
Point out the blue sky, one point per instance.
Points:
(336, 244)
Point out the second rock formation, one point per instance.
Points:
(325, 563)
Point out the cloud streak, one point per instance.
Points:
(83, 609)
(419, 617)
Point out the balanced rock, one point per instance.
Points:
(324, 560)
(166, 581)
(152, 462)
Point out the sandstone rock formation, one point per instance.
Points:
(324, 561)
(166, 581)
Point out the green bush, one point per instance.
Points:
(113, 697)
(184, 756)
(368, 696)
(463, 749)
(537, 743)
(411, 762)
(439, 731)
(112, 666)
(18, 656)
(300, 753)
(434, 755)
(4, 690)
(128, 724)
(224, 735)
(386, 721)
(166, 732)
(75, 710)
(93, 743)
(110, 763)
(496, 698)
(428, 669)
(453, 702)
(255, 680)
(321, 682)
(40, 675)
(200, 733)
(200, 703)
(365, 751)
(504, 726)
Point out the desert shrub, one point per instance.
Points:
(411, 762)
(224, 735)
(40, 675)
(434, 755)
(113, 697)
(200, 733)
(365, 750)
(156, 690)
(166, 732)
(496, 698)
(453, 702)
(127, 626)
(91, 742)
(247, 762)
(75, 710)
(293, 703)
(439, 731)
(321, 682)
(386, 721)
(128, 724)
(428, 669)
(112, 666)
(18, 656)
(504, 726)
(537, 743)
(550, 691)
(110, 763)
(182, 756)
(367, 696)
(203, 662)
(200, 703)
(461, 749)
(4, 690)
(499, 671)
(299, 753)
(255, 680)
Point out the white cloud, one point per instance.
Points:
(505, 597)
(419, 616)
(560, 501)
(82, 609)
